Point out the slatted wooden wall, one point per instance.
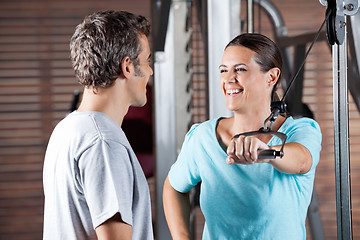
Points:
(36, 87)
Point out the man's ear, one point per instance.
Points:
(126, 67)
(273, 76)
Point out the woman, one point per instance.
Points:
(243, 197)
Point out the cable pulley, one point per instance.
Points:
(335, 23)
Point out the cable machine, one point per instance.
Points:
(336, 25)
(337, 37)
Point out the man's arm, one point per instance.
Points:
(114, 229)
(177, 211)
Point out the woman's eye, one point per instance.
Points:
(240, 70)
(222, 70)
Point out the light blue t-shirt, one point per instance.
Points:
(90, 174)
(247, 201)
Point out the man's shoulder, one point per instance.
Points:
(94, 124)
(84, 129)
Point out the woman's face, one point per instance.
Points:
(245, 86)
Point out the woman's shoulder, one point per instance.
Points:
(298, 123)
(300, 120)
(203, 128)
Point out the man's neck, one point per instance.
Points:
(110, 101)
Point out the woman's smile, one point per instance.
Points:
(234, 91)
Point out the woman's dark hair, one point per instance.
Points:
(267, 53)
(100, 43)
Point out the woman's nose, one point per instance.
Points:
(230, 78)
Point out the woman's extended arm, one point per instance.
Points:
(244, 150)
(297, 159)
(177, 211)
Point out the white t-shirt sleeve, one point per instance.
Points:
(106, 177)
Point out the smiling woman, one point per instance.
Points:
(234, 180)
(243, 80)
(267, 54)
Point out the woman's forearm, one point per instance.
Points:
(296, 160)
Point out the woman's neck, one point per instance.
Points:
(248, 121)
(241, 123)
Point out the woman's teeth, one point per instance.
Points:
(233, 91)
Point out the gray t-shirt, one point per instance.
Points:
(90, 174)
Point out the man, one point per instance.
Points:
(93, 183)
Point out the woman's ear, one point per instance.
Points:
(273, 76)
(126, 66)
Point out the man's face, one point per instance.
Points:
(143, 71)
